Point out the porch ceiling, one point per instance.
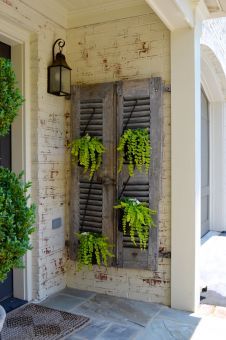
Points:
(88, 12)
(76, 13)
(216, 6)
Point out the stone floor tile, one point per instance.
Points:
(74, 337)
(118, 332)
(178, 316)
(165, 329)
(93, 311)
(95, 328)
(84, 294)
(120, 309)
(62, 302)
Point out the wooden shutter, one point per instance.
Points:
(144, 99)
(92, 201)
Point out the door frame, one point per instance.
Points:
(208, 114)
(212, 86)
(19, 40)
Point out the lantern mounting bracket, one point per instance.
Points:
(61, 43)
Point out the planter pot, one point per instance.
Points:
(120, 215)
(94, 260)
(126, 161)
(78, 163)
(120, 227)
(2, 317)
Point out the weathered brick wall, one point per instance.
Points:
(48, 167)
(45, 128)
(132, 48)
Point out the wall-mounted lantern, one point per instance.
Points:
(59, 73)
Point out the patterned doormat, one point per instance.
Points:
(40, 323)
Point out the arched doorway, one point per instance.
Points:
(213, 214)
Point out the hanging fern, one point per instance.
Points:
(93, 246)
(87, 151)
(137, 217)
(10, 96)
(134, 147)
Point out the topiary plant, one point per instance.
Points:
(134, 147)
(10, 96)
(16, 220)
(137, 217)
(93, 247)
(87, 151)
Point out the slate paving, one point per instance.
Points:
(114, 318)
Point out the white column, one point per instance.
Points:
(186, 167)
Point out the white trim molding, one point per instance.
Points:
(19, 40)
(178, 14)
(175, 14)
(217, 168)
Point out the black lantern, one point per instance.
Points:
(59, 73)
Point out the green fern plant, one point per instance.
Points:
(87, 151)
(134, 147)
(10, 96)
(137, 217)
(93, 246)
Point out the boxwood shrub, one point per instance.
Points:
(16, 221)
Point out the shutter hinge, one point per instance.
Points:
(119, 88)
(167, 88)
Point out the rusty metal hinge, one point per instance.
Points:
(167, 88)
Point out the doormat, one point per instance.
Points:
(40, 323)
(12, 303)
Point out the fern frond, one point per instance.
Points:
(137, 217)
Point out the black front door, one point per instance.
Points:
(6, 288)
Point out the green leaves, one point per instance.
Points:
(93, 246)
(10, 96)
(88, 152)
(16, 220)
(134, 146)
(137, 217)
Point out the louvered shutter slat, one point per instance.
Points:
(92, 111)
(144, 99)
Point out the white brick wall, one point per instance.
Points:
(48, 167)
(131, 48)
(137, 47)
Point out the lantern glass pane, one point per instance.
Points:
(54, 79)
(65, 80)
